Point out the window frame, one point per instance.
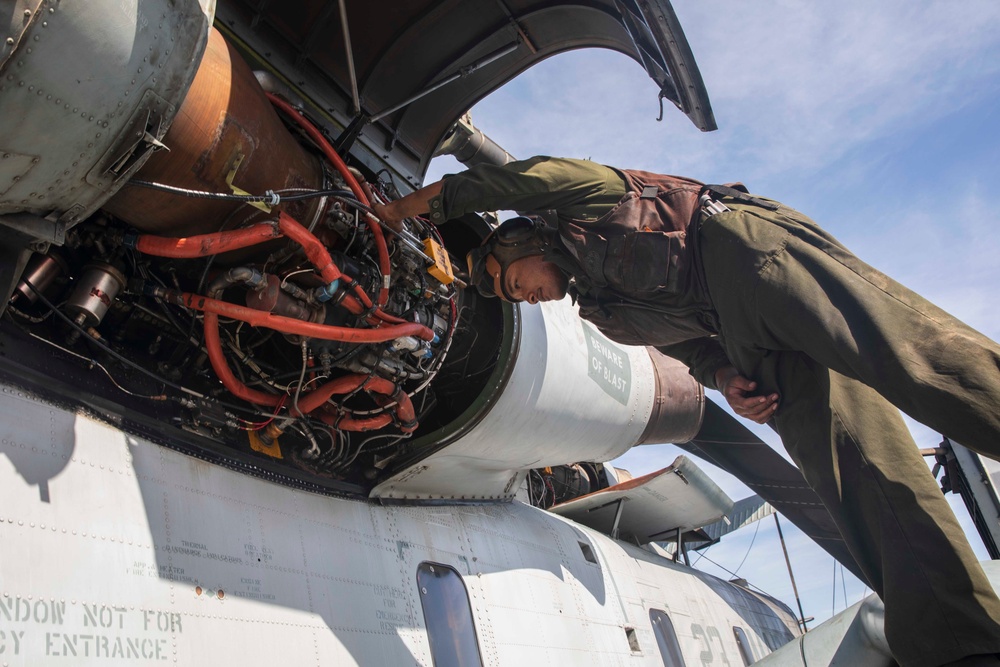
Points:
(445, 610)
(743, 643)
(668, 644)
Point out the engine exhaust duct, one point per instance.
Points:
(227, 133)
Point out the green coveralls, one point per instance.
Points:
(841, 344)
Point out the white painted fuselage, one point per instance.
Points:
(117, 550)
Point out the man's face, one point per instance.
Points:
(532, 279)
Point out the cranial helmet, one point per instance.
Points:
(515, 239)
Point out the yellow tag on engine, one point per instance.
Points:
(273, 450)
(441, 268)
(237, 191)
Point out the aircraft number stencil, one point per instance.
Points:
(706, 638)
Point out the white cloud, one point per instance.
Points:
(795, 85)
(808, 81)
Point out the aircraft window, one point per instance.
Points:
(633, 640)
(448, 616)
(741, 641)
(666, 639)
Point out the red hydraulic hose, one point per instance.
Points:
(387, 390)
(404, 406)
(405, 414)
(347, 384)
(213, 244)
(290, 325)
(213, 345)
(206, 244)
(352, 424)
(352, 183)
(320, 258)
(315, 250)
(366, 304)
(323, 144)
(323, 393)
(316, 398)
(369, 424)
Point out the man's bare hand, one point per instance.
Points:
(738, 392)
(413, 204)
(387, 214)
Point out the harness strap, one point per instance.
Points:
(739, 195)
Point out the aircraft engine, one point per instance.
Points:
(218, 262)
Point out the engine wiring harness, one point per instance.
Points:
(327, 361)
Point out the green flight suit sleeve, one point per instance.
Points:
(578, 189)
(702, 356)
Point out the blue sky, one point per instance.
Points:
(878, 120)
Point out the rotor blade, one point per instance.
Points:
(728, 444)
(744, 512)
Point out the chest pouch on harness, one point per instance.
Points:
(635, 262)
(650, 261)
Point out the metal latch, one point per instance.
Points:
(711, 206)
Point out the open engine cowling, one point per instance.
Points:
(211, 251)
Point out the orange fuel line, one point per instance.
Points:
(386, 392)
(204, 245)
(289, 325)
(352, 183)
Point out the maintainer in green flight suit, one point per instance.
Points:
(757, 296)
